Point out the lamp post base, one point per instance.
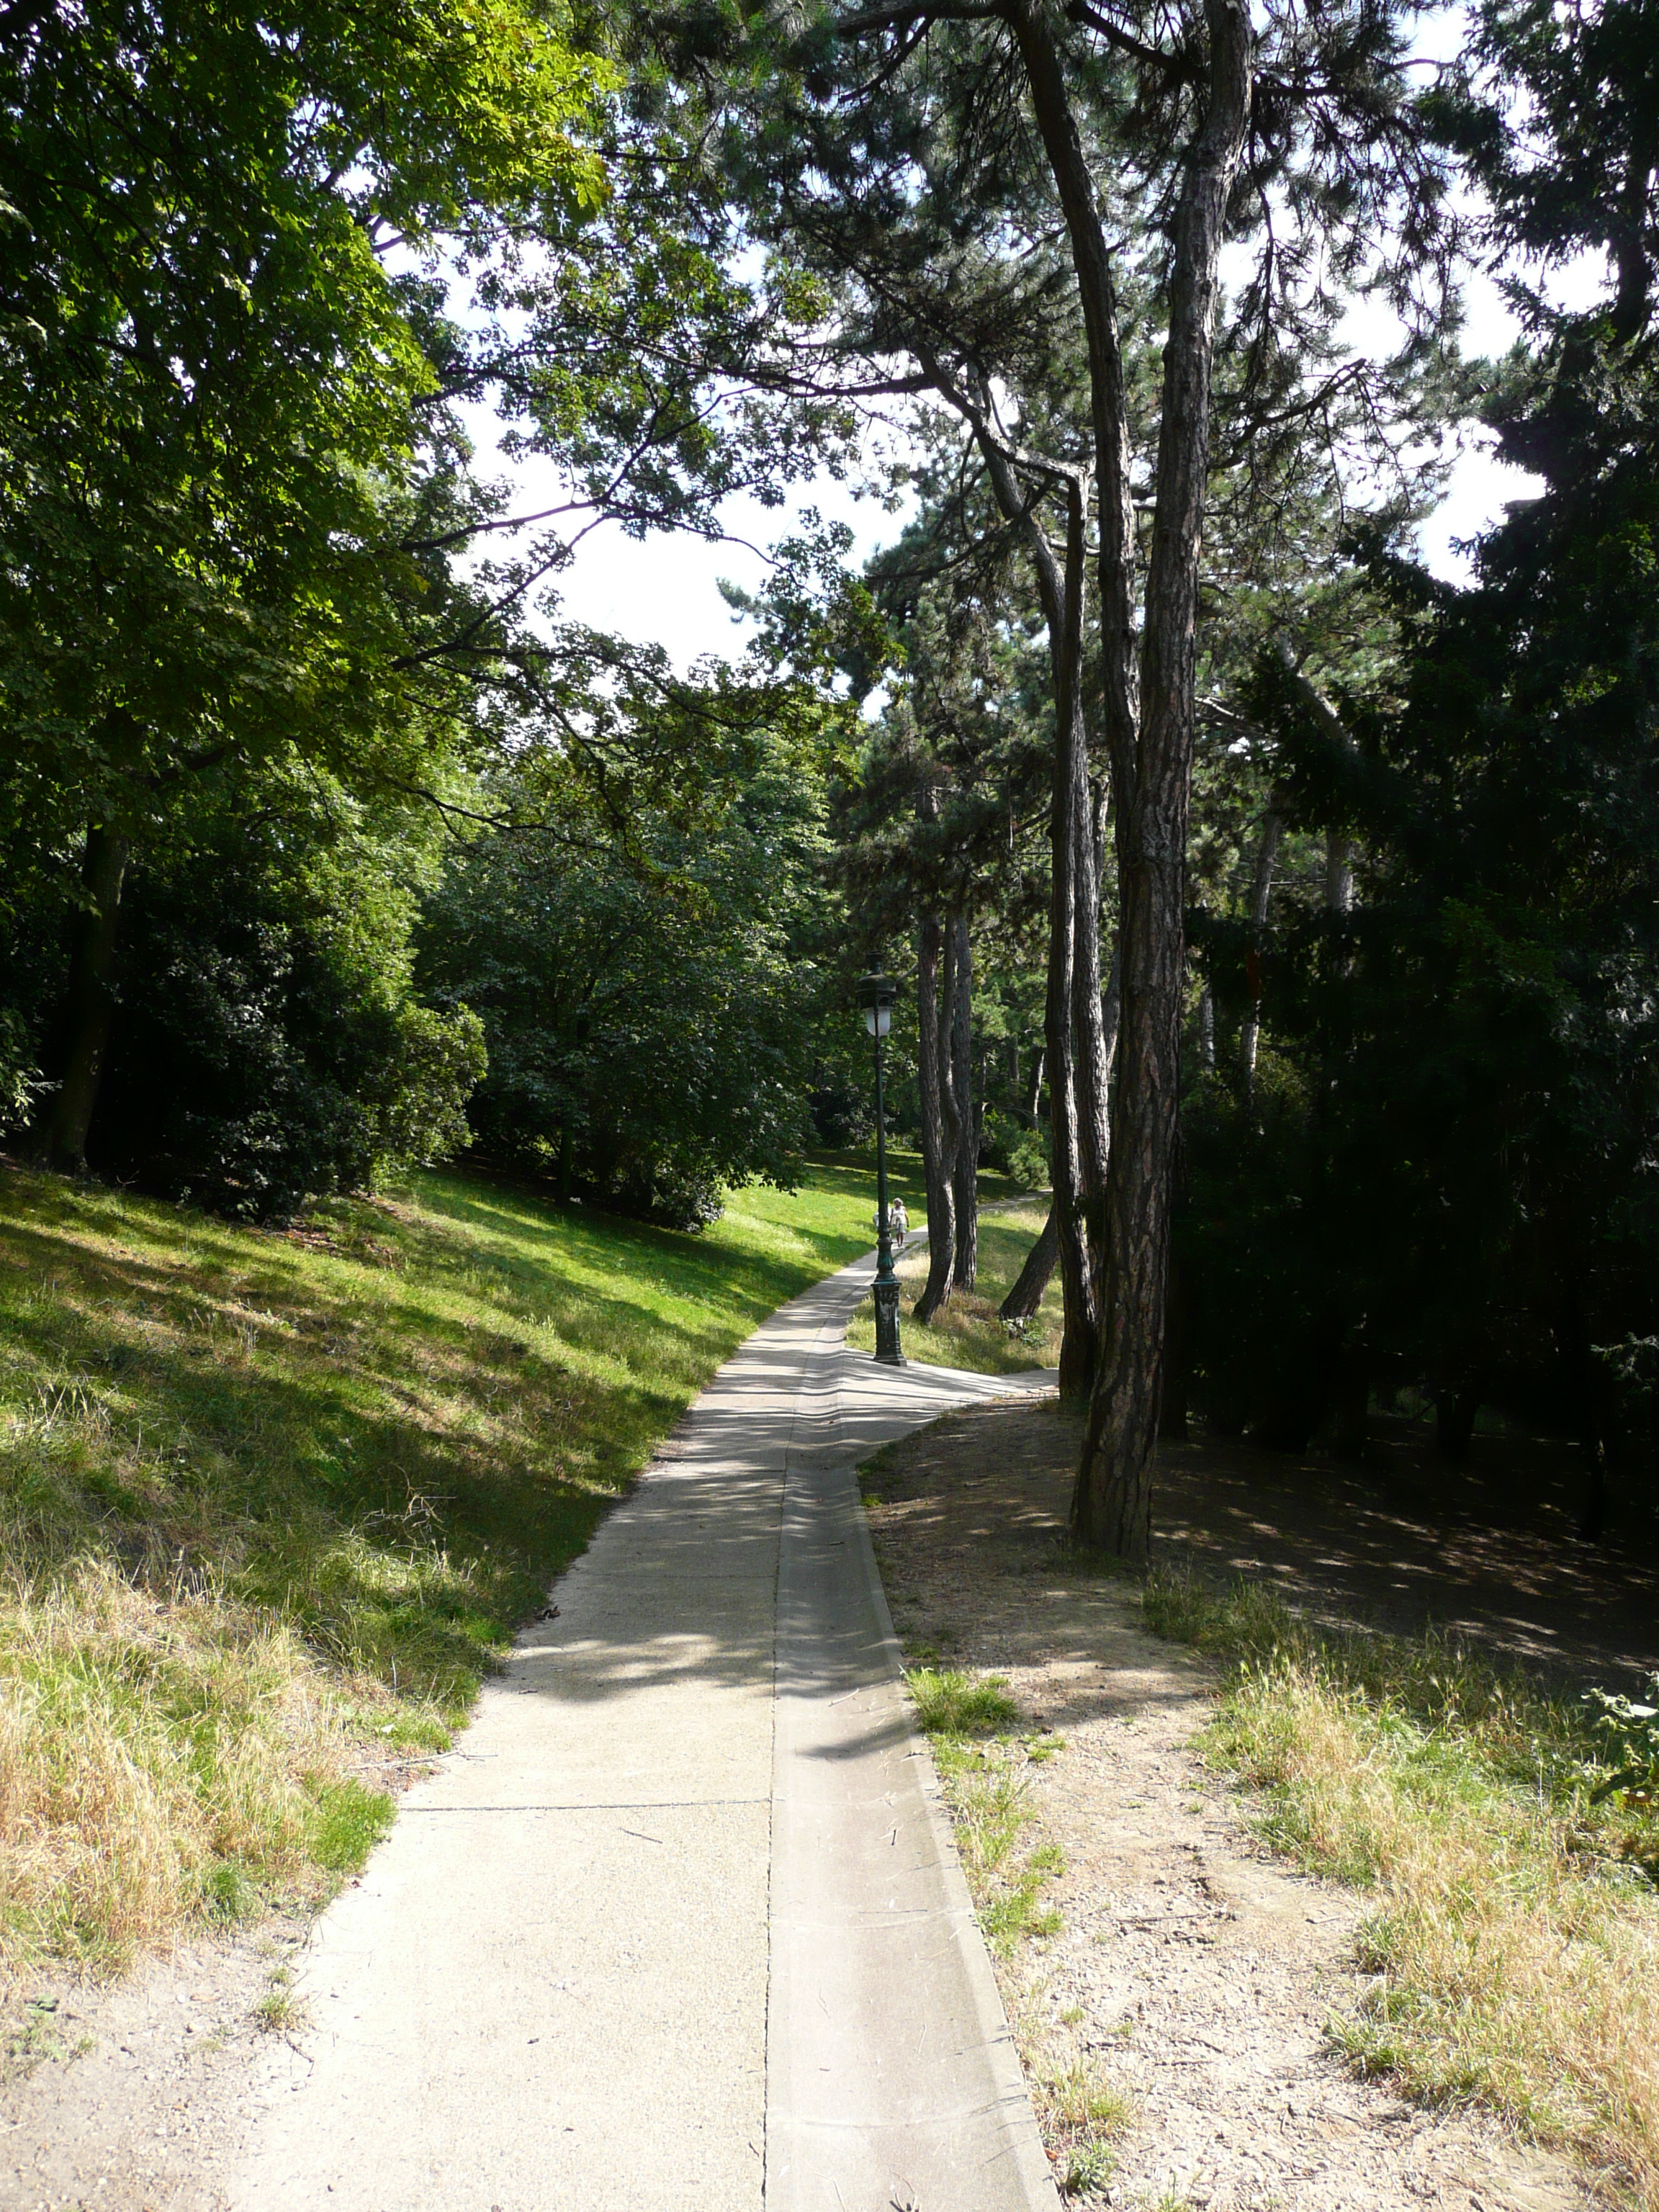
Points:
(887, 1321)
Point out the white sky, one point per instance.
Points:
(664, 589)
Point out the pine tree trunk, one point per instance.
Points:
(1034, 1106)
(63, 1142)
(1089, 1045)
(1111, 1503)
(966, 1178)
(1072, 831)
(938, 1158)
(1035, 1276)
(1079, 1336)
(1112, 1017)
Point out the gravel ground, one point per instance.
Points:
(137, 2089)
(1191, 1971)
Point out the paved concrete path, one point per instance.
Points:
(679, 1925)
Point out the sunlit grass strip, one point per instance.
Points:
(272, 1505)
(984, 1760)
(1515, 1933)
(966, 1334)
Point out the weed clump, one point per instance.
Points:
(983, 1761)
(1514, 1938)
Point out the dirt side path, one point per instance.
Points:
(1191, 1971)
(134, 2091)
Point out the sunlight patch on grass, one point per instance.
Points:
(273, 1504)
(967, 1333)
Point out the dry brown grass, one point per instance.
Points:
(159, 1752)
(1514, 1933)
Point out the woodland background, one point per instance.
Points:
(1293, 913)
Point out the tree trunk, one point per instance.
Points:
(1034, 1107)
(1112, 1500)
(91, 1001)
(1261, 892)
(1071, 827)
(1090, 1052)
(1111, 1014)
(938, 1158)
(1081, 1333)
(1454, 1422)
(1207, 1031)
(966, 1192)
(1035, 1276)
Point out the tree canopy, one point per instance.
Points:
(1288, 908)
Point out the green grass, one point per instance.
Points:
(984, 1759)
(967, 1333)
(271, 1505)
(1081, 2112)
(1514, 1929)
(953, 1704)
(281, 2010)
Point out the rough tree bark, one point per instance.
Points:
(1072, 831)
(1026, 1294)
(937, 1156)
(1092, 1052)
(966, 1177)
(1111, 1503)
(62, 1141)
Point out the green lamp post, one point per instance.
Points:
(877, 994)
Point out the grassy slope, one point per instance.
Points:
(968, 1333)
(270, 1505)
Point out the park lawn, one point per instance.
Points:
(967, 1333)
(272, 1505)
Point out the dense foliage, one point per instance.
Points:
(326, 845)
(648, 1024)
(1444, 1177)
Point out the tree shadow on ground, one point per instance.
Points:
(1404, 1542)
